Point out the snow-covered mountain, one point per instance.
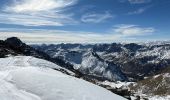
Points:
(72, 60)
(29, 78)
(86, 60)
(116, 61)
(92, 64)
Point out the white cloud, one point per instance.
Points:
(139, 11)
(37, 19)
(22, 6)
(38, 12)
(96, 17)
(136, 1)
(139, 1)
(132, 30)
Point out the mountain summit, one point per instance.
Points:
(14, 41)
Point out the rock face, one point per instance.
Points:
(14, 41)
(134, 60)
(5, 49)
(15, 46)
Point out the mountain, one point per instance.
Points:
(146, 65)
(85, 60)
(93, 65)
(133, 61)
(29, 78)
(14, 46)
(104, 71)
(156, 86)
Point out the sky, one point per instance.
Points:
(85, 21)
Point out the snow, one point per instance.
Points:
(156, 76)
(159, 52)
(117, 84)
(166, 75)
(160, 98)
(19, 61)
(28, 78)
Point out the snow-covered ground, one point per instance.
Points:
(28, 78)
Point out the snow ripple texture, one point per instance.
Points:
(28, 78)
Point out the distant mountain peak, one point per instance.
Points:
(14, 41)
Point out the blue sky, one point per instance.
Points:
(85, 21)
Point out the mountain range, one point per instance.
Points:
(139, 70)
(114, 62)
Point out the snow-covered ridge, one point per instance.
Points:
(26, 61)
(28, 78)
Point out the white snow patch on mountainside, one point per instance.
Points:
(160, 98)
(118, 84)
(28, 78)
(160, 52)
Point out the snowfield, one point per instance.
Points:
(28, 78)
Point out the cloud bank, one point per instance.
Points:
(121, 32)
(58, 36)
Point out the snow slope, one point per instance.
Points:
(28, 78)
